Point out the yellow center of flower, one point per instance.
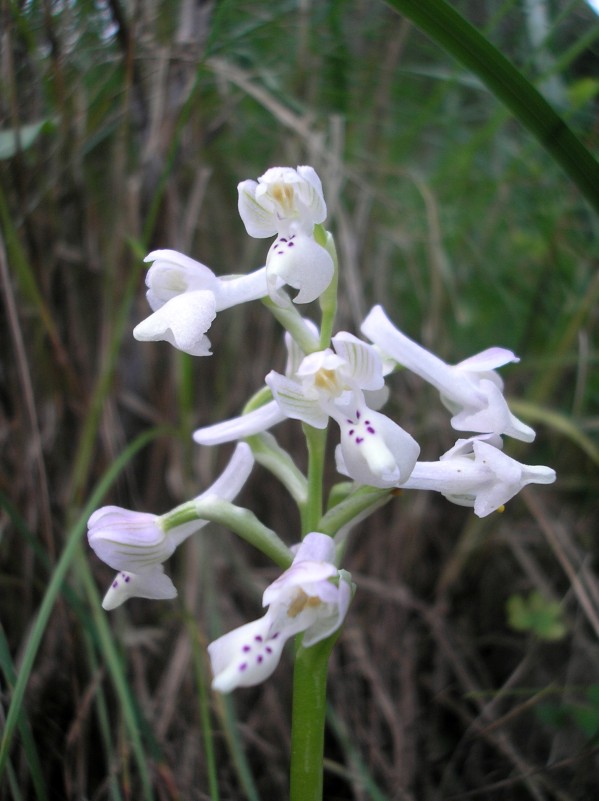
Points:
(284, 195)
(300, 602)
(327, 380)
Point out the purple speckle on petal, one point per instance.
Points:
(275, 635)
(115, 584)
(358, 415)
(359, 440)
(127, 579)
(268, 649)
(371, 430)
(243, 667)
(246, 648)
(260, 659)
(258, 638)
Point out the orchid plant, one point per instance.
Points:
(338, 377)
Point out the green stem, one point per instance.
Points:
(308, 719)
(316, 441)
(241, 521)
(328, 299)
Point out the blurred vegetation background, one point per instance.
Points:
(468, 665)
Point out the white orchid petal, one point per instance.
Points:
(477, 473)
(173, 273)
(315, 547)
(323, 626)
(182, 321)
(293, 403)
(365, 365)
(300, 262)
(374, 450)
(256, 421)
(231, 290)
(246, 656)
(260, 221)
(488, 359)
(231, 481)
(154, 585)
(126, 540)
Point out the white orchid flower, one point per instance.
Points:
(374, 450)
(312, 596)
(471, 390)
(137, 543)
(185, 297)
(283, 201)
(475, 472)
(288, 203)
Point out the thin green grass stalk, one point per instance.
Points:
(353, 757)
(33, 760)
(199, 665)
(87, 439)
(224, 705)
(550, 378)
(102, 713)
(55, 584)
(560, 423)
(117, 672)
(452, 32)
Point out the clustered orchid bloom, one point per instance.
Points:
(471, 390)
(326, 377)
(312, 596)
(137, 543)
(185, 297)
(288, 203)
(475, 472)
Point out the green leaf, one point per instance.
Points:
(537, 615)
(446, 27)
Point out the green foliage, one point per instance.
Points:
(536, 615)
(584, 715)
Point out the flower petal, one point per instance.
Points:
(365, 365)
(173, 273)
(300, 262)
(293, 403)
(256, 421)
(154, 584)
(182, 321)
(245, 656)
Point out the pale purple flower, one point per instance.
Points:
(137, 543)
